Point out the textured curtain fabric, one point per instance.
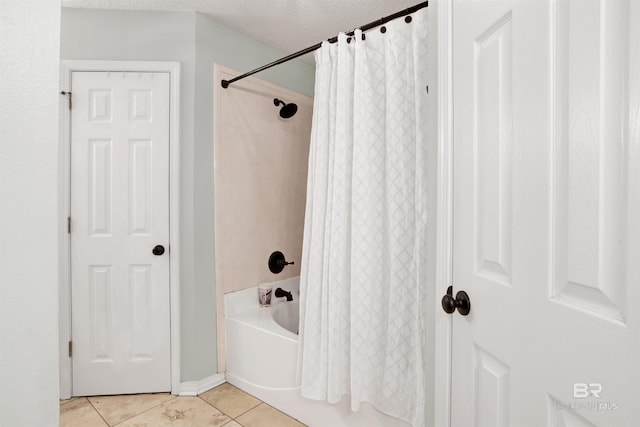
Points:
(362, 325)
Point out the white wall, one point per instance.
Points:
(29, 51)
(196, 42)
(260, 185)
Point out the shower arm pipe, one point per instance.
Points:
(225, 83)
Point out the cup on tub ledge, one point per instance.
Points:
(264, 294)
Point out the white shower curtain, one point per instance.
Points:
(362, 324)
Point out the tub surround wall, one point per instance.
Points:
(260, 181)
(260, 177)
(196, 42)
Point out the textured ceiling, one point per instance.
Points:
(290, 25)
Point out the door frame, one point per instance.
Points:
(64, 192)
(444, 227)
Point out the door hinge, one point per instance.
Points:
(70, 348)
(68, 225)
(67, 93)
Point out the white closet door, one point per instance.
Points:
(119, 214)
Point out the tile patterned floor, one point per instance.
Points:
(224, 405)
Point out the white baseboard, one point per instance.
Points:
(195, 388)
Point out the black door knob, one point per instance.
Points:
(461, 302)
(158, 250)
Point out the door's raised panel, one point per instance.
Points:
(491, 390)
(101, 311)
(591, 41)
(100, 174)
(492, 152)
(140, 187)
(100, 105)
(562, 415)
(140, 102)
(141, 335)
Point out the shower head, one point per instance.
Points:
(288, 110)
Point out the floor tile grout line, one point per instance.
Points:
(216, 408)
(173, 397)
(250, 409)
(230, 417)
(98, 412)
(272, 407)
(221, 411)
(283, 413)
(260, 402)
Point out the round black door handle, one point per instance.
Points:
(158, 250)
(461, 302)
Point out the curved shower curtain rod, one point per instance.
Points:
(225, 83)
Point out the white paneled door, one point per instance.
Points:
(119, 229)
(546, 230)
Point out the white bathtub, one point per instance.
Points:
(262, 360)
